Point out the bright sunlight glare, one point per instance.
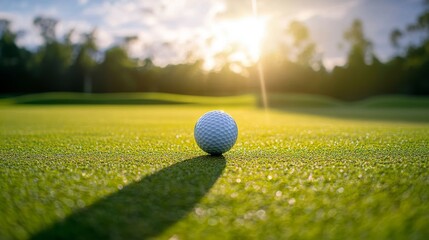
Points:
(239, 39)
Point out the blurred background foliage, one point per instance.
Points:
(289, 67)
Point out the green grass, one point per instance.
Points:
(315, 101)
(134, 172)
(60, 98)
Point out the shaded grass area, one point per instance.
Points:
(365, 114)
(275, 100)
(120, 172)
(383, 108)
(126, 99)
(315, 101)
(144, 208)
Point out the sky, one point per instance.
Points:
(174, 31)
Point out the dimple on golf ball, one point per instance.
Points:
(215, 132)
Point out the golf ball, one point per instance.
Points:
(215, 132)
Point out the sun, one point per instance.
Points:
(247, 33)
(238, 39)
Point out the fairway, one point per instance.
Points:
(135, 172)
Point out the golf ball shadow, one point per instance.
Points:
(216, 132)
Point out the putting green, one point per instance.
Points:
(133, 172)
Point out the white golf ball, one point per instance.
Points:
(215, 132)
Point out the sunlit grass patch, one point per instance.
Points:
(69, 171)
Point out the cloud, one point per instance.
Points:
(183, 22)
(287, 8)
(169, 30)
(79, 27)
(114, 13)
(23, 23)
(82, 2)
(331, 62)
(337, 11)
(104, 39)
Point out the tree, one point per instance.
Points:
(415, 64)
(14, 61)
(361, 49)
(46, 27)
(128, 41)
(84, 63)
(54, 58)
(116, 72)
(362, 76)
(395, 35)
(305, 48)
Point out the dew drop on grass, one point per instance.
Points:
(261, 214)
(199, 211)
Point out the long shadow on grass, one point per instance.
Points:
(143, 209)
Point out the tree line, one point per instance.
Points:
(60, 64)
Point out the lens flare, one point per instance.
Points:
(260, 67)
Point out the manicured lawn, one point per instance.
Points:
(134, 172)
